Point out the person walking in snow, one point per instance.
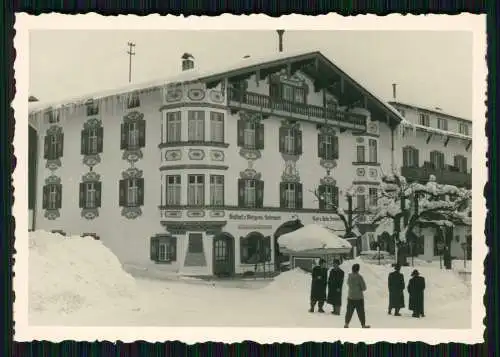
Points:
(396, 285)
(318, 286)
(355, 298)
(416, 287)
(335, 283)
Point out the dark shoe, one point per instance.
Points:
(337, 313)
(365, 326)
(346, 326)
(321, 310)
(311, 310)
(397, 314)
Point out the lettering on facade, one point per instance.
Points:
(253, 217)
(324, 218)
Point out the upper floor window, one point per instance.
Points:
(51, 117)
(217, 127)
(328, 197)
(92, 141)
(196, 125)
(92, 108)
(373, 196)
(173, 185)
(290, 141)
(52, 196)
(196, 190)
(328, 146)
(217, 190)
(290, 195)
(53, 146)
(133, 134)
(460, 162)
(360, 153)
(423, 119)
(132, 192)
(442, 124)
(250, 193)
(361, 203)
(463, 128)
(287, 91)
(90, 194)
(174, 127)
(372, 146)
(437, 159)
(410, 157)
(133, 100)
(250, 134)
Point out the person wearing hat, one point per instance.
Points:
(318, 286)
(396, 285)
(335, 283)
(416, 287)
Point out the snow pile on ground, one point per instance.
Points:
(71, 274)
(312, 236)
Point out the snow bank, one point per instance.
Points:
(71, 274)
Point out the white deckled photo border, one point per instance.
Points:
(476, 24)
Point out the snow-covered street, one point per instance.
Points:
(77, 281)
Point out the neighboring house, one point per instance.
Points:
(199, 172)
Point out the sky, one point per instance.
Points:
(431, 68)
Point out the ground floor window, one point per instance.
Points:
(163, 249)
(255, 248)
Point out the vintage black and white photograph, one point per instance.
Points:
(266, 178)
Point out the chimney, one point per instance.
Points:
(187, 61)
(394, 91)
(280, 35)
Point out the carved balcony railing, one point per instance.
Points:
(268, 105)
(443, 176)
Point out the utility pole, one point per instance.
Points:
(131, 53)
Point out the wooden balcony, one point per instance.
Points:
(443, 176)
(269, 106)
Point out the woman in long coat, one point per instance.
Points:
(318, 286)
(396, 285)
(416, 287)
(335, 283)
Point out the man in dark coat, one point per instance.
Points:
(318, 286)
(416, 287)
(335, 282)
(396, 284)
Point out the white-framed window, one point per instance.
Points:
(132, 192)
(360, 153)
(437, 159)
(51, 117)
(463, 128)
(373, 196)
(410, 157)
(174, 127)
(217, 127)
(133, 134)
(166, 251)
(250, 194)
(423, 119)
(330, 197)
(196, 125)
(372, 146)
(92, 141)
(52, 203)
(290, 195)
(442, 124)
(290, 138)
(249, 134)
(173, 190)
(288, 93)
(90, 195)
(196, 190)
(217, 190)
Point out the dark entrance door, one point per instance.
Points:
(223, 255)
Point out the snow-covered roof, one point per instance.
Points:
(312, 236)
(407, 123)
(194, 75)
(427, 109)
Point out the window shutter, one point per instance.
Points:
(46, 147)
(98, 192)
(321, 146)
(60, 145)
(282, 134)
(45, 198)
(416, 162)
(100, 139)
(298, 195)
(260, 193)
(405, 157)
(335, 198)
(124, 137)
(298, 142)
(335, 147)
(241, 133)
(173, 242)
(260, 136)
(275, 90)
(82, 195)
(266, 243)
(83, 145)
(122, 193)
(455, 162)
(321, 196)
(282, 194)
(59, 196)
(241, 192)
(155, 245)
(140, 191)
(464, 164)
(142, 133)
